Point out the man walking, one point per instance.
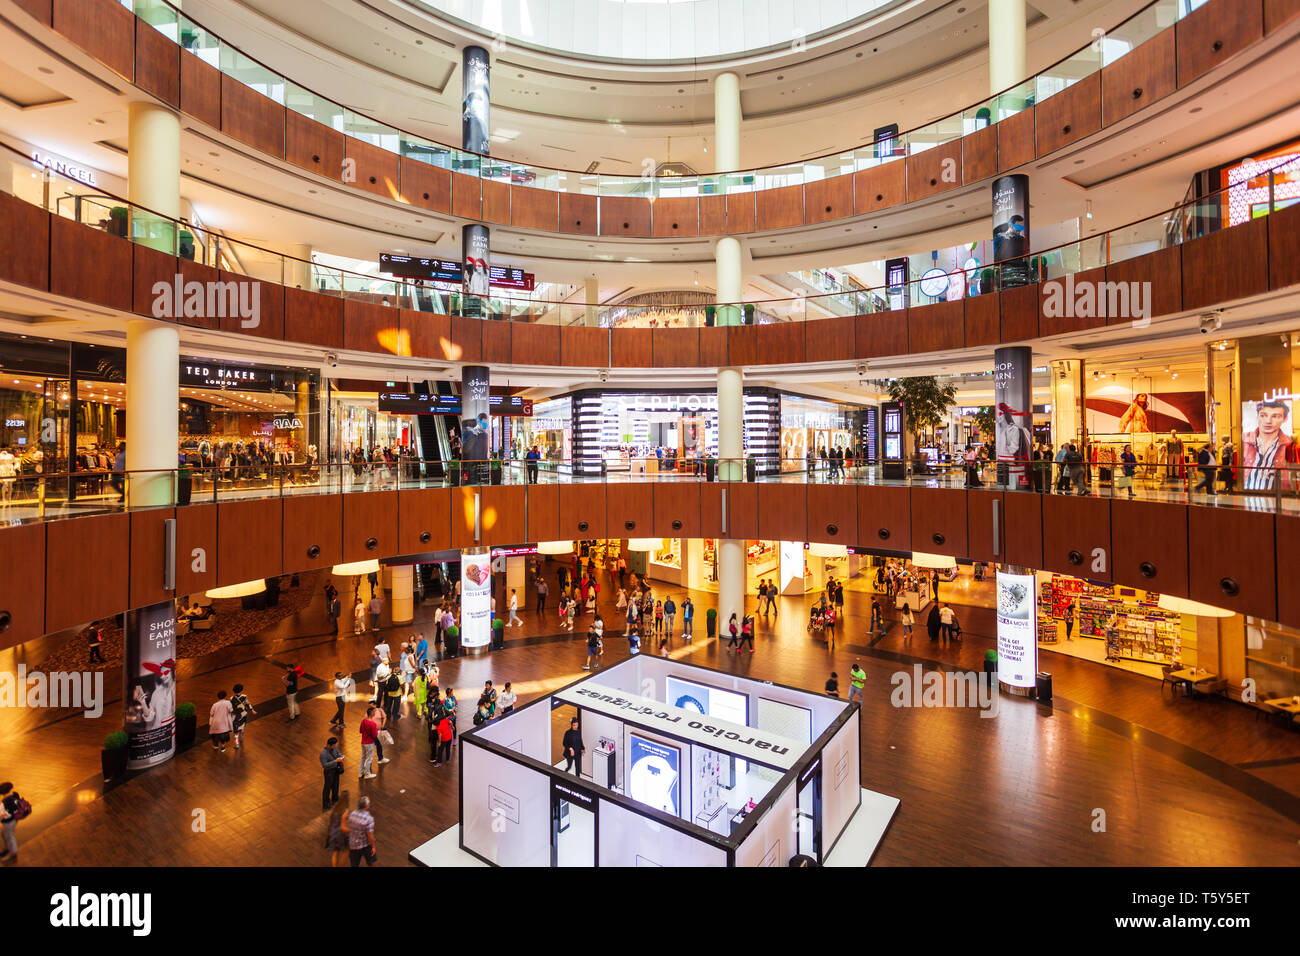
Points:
(688, 618)
(670, 613)
(376, 605)
(541, 594)
(369, 734)
(95, 635)
(946, 618)
(857, 677)
(331, 763)
(290, 681)
(573, 749)
(359, 825)
(514, 610)
(342, 685)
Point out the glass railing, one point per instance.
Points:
(31, 497)
(1105, 48)
(1185, 222)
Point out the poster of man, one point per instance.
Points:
(1268, 449)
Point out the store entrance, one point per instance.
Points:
(573, 826)
(809, 814)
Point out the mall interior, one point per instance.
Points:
(335, 325)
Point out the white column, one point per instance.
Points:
(403, 596)
(726, 121)
(297, 271)
(154, 174)
(591, 295)
(152, 393)
(1006, 44)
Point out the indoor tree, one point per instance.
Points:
(925, 400)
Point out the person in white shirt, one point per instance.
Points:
(221, 720)
(8, 469)
(359, 618)
(946, 619)
(342, 687)
(514, 610)
(507, 699)
(382, 650)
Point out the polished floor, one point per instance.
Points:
(1114, 773)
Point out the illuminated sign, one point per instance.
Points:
(65, 168)
(446, 270)
(1017, 629)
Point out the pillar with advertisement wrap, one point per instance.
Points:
(475, 600)
(1013, 395)
(475, 424)
(475, 137)
(1011, 230)
(149, 691)
(476, 261)
(1017, 630)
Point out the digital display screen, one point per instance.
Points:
(725, 705)
(1017, 629)
(654, 774)
(447, 270)
(424, 403)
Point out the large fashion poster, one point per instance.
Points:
(476, 93)
(1268, 450)
(1017, 629)
(149, 696)
(477, 260)
(1011, 228)
(1014, 412)
(475, 424)
(1118, 410)
(475, 599)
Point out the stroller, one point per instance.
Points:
(817, 618)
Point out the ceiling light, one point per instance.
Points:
(1183, 606)
(243, 589)
(940, 562)
(644, 544)
(555, 547)
(356, 568)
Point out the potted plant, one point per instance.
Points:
(498, 634)
(711, 622)
(117, 217)
(710, 313)
(113, 756)
(495, 466)
(453, 473)
(186, 724)
(749, 313)
(452, 636)
(991, 663)
(186, 246)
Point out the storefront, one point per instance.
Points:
(550, 431)
(811, 427)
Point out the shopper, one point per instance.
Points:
(393, 697)
(514, 610)
(946, 617)
(376, 606)
(688, 619)
(290, 680)
(762, 596)
(342, 686)
(359, 825)
(13, 809)
(908, 619)
(670, 614)
(507, 700)
(359, 617)
(446, 731)
(833, 685)
(331, 763)
(421, 652)
(240, 710)
(877, 615)
(573, 748)
(336, 838)
(746, 633)
(1128, 469)
(421, 692)
(220, 720)
(95, 637)
(1227, 471)
(932, 622)
(734, 628)
(1207, 466)
(857, 678)
(369, 731)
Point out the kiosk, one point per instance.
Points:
(683, 766)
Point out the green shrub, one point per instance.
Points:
(184, 709)
(115, 741)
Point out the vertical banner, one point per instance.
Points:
(1011, 229)
(475, 598)
(149, 694)
(1013, 369)
(476, 262)
(1017, 629)
(475, 100)
(1269, 452)
(475, 424)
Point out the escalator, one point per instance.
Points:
(433, 441)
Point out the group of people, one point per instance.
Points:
(228, 717)
(835, 462)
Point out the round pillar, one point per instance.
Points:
(726, 122)
(403, 596)
(297, 271)
(154, 174)
(152, 392)
(1006, 44)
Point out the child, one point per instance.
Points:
(663, 647)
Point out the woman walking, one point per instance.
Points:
(735, 632)
(908, 620)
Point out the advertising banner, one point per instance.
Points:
(475, 599)
(654, 775)
(1011, 228)
(477, 258)
(1268, 457)
(1013, 369)
(476, 100)
(475, 422)
(149, 695)
(1017, 630)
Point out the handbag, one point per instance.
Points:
(386, 737)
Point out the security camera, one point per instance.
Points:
(604, 374)
(332, 360)
(862, 368)
(1211, 322)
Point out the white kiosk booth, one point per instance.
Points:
(683, 766)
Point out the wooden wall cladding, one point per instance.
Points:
(250, 536)
(1057, 317)
(711, 510)
(200, 90)
(982, 319)
(495, 342)
(90, 265)
(742, 345)
(582, 510)
(466, 196)
(626, 216)
(827, 199)
(779, 343)
(148, 557)
(742, 213)
(534, 208)
(829, 340)
(425, 334)
(676, 510)
(934, 171)
(1226, 265)
(496, 202)
(423, 520)
(72, 599)
(424, 185)
(1145, 74)
(1284, 247)
(466, 338)
(1213, 33)
(532, 344)
(878, 187)
(314, 146)
(1019, 314)
(579, 214)
(376, 169)
(367, 516)
(1149, 545)
(935, 328)
(676, 216)
(1163, 269)
(543, 513)
(157, 64)
(312, 523)
(22, 568)
(882, 333)
(1279, 12)
(313, 318)
(24, 242)
(629, 509)
(1069, 115)
(1287, 531)
(713, 347)
(713, 215)
(1231, 560)
(585, 347)
(984, 532)
(40, 10)
(939, 521)
(1022, 529)
(631, 348)
(739, 502)
(148, 267)
(885, 517)
(103, 28)
(251, 118)
(1076, 536)
(832, 514)
(503, 514)
(979, 154)
(1016, 140)
(270, 309)
(202, 274)
(674, 348)
(196, 549)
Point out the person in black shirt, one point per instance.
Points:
(96, 638)
(833, 685)
(573, 749)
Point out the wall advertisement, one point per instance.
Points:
(475, 599)
(149, 672)
(1017, 629)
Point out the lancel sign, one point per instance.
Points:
(64, 168)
